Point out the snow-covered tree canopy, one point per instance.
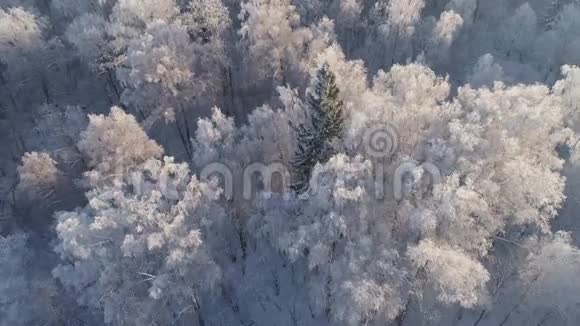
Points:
(289, 162)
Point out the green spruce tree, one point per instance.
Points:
(325, 122)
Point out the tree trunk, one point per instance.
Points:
(187, 143)
(112, 83)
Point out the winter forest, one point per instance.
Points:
(290, 162)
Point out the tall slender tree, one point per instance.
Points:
(325, 122)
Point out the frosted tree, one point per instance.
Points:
(567, 90)
(115, 143)
(48, 178)
(486, 71)
(210, 25)
(39, 192)
(207, 19)
(159, 74)
(280, 141)
(88, 33)
(38, 175)
(214, 138)
(326, 117)
(403, 14)
(323, 37)
(138, 252)
(129, 18)
(560, 45)
(56, 131)
(395, 23)
(519, 31)
(103, 34)
(167, 59)
(273, 37)
(187, 68)
(457, 277)
(167, 73)
(350, 23)
(443, 35)
(465, 8)
(29, 294)
(350, 75)
(21, 38)
(546, 290)
(20, 31)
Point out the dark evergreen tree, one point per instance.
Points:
(325, 122)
